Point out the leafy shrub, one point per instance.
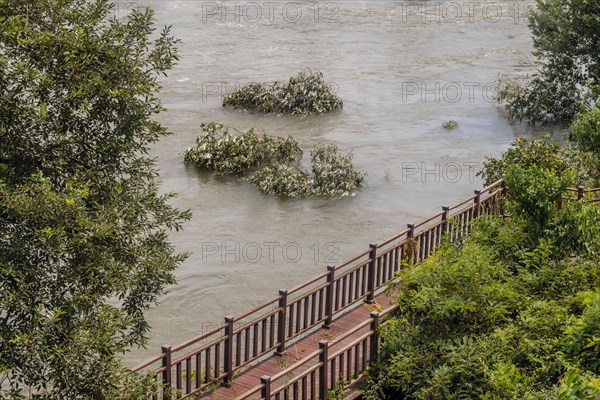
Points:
(524, 153)
(275, 163)
(305, 93)
(500, 316)
(282, 180)
(535, 194)
(450, 124)
(332, 175)
(586, 131)
(219, 151)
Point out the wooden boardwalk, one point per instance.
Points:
(298, 351)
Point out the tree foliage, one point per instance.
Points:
(585, 131)
(84, 247)
(510, 313)
(333, 175)
(306, 93)
(220, 151)
(566, 34)
(575, 160)
(273, 163)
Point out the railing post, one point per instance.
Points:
(503, 194)
(323, 369)
(410, 247)
(329, 297)
(167, 373)
(560, 203)
(445, 219)
(374, 348)
(266, 390)
(228, 361)
(476, 201)
(281, 323)
(580, 192)
(372, 269)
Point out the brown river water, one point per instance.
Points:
(401, 68)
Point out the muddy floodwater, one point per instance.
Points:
(401, 68)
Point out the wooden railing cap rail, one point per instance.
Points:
(198, 338)
(147, 362)
(257, 308)
(308, 371)
(356, 257)
(428, 219)
(307, 283)
(255, 320)
(393, 238)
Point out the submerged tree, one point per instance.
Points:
(566, 34)
(306, 93)
(84, 247)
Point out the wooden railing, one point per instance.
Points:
(579, 193)
(217, 356)
(318, 373)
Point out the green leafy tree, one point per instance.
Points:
(84, 247)
(586, 131)
(566, 34)
(509, 313)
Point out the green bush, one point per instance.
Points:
(504, 314)
(586, 131)
(545, 154)
(332, 175)
(282, 180)
(524, 153)
(220, 151)
(305, 93)
(274, 163)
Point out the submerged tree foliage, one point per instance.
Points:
(566, 34)
(305, 93)
(274, 163)
(333, 174)
(510, 313)
(84, 247)
(218, 150)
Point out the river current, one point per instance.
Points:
(401, 68)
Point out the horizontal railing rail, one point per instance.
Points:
(216, 356)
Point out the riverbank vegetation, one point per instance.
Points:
(273, 163)
(580, 158)
(304, 94)
(566, 34)
(84, 247)
(513, 311)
